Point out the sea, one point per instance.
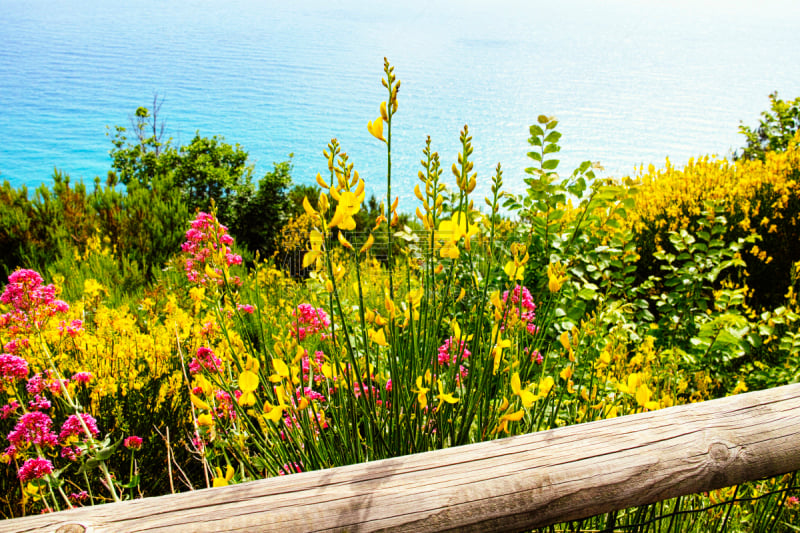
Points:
(632, 82)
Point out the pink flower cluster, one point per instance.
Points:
(313, 363)
(12, 369)
(205, 358)
(309, 320)
(82, 378)
(73, 427)
(33, 428)
(133, 442)
(73, 329)
(524, 310)
(14, 345)
(44, 381)
(225, 407)
(35, 469)
(32, 302)
(204, 240)
(290, 468)
(450, 352)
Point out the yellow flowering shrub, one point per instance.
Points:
(758, 198)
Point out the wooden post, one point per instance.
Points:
(511, 484)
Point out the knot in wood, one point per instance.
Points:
(71, 528)
(720, 452)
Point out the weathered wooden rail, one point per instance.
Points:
(511, 484)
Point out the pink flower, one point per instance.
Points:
(12, 368)
(14, 345)
(39, 403)
(291, 468)
(34, 469)
(449, 352)
(308, 320)
(205, 359)
(203, 240)
(522, 310)
(74, 328)
(133, 442)
(9, 409)
(70, 453)
(79, 496)
(72, 427)
(247, 308)
(33, 428)
(82, 377)
(32, 303)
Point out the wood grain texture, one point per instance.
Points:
(504, 485)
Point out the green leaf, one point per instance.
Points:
(550, 164)
(587, 294)
(542, 119)
(552, 148)
(536, 156)
(552, 137)
(537, 131)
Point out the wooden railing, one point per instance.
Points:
(511, 484)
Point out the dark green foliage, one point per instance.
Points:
(776, 129)
(257, 222)
(204, 171)
(208, 169)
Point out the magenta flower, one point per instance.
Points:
(246, 308)
(73, 428)
(291, 468)
(39, 403)
(82, 377)
(73, 329)
(133, 442)
(450, 352)
(12, 368)
(79, 496)
(9, 409)
(32, 303)
(203, 240)
(14, 345)
(205, 359)
(33, 428)
(34, 469)
(522, 308)
(44, 381)
(308, 320)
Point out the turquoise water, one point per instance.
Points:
(631, 82)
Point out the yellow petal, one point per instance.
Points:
(248, 399)
(248, 381)
(344, 242)
(378, 337)
(210, 272)
(274, 414)
(376, 128)
(643, 395)
(321, 182)
(368, 244)
(280, 368)
(310, 211)
(311, 257)
(564, 338)
(514, 417)
(198, 403)
(516, 386)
